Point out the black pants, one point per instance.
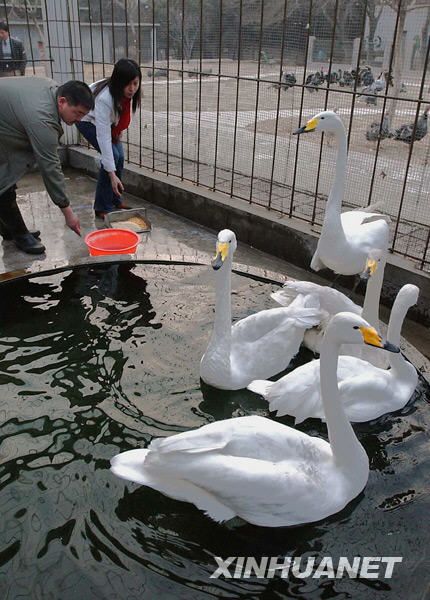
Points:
(11, 221)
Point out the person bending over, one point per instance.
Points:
(31, 112)
(116, 98)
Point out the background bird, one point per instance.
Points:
(379, 131)
(405, 133)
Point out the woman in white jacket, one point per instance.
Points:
(116, 98)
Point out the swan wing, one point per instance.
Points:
(302, 312)
(298, 393)
(252, 437)
(331, 300)
(366, 397)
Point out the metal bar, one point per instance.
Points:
(384, 103)
(218, 90)
(153, 87)
(91, 39)
(257, 98)
(126, 27)
(127, 53)
(278, 104)
(239, 49)
(293, 191)
(113, 33)
(200, 93)
(182, 87)
(139, 41)
(423, 261)
(49, 43)
(330, 64)
(29, 37)
(80, 41)
(167, 86)
(357, 68)
(411, 147)
(102, 39)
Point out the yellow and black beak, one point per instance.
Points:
(310, 126)
(222, 249)
(372, 338)
(370, 269)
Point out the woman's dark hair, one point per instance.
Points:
(124, 71)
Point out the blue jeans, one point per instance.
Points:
(105, 200)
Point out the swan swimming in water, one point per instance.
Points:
(261, 343)
(366, 391)
(347, 238)
(267, 473)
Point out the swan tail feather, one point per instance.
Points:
(192, 442)
(376, 217)
(379, 205)
(260, 386)
(130, 466)
(316, 263)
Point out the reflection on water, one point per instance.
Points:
(98, 360)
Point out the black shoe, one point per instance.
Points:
(29, 244)
(9, 237)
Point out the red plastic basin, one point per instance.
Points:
(112, 241)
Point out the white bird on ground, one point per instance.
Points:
(366, 392)
(267, 473)
(261, 343)
(346, 238)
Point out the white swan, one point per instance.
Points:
(261, 343)
(346, 238)
(332, 301)
(264, 472)
(366, 391)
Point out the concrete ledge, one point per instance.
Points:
(289, 239)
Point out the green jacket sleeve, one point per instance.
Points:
(44, 141)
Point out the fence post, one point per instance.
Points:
(62, 24)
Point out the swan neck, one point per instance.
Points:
(334, 203)
(222, 324)
(373, 295)
(397, 316)
(346, 448)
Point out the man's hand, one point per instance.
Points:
(71, 219)
(116, 183)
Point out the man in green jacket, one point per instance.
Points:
(31, 110)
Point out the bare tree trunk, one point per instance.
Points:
(397, 67)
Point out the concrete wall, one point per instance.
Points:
(289, 239)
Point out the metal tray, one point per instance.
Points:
(123, 215)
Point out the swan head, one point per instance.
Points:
(408, 295)
(225, 247)
(327, 121)
(348, 328)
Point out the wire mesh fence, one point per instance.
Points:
(226, 82)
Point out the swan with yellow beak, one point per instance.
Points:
(255, 468)
(264, 342)
(348, 238)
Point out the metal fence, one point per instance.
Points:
(225, 82)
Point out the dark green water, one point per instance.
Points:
(101, 359)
